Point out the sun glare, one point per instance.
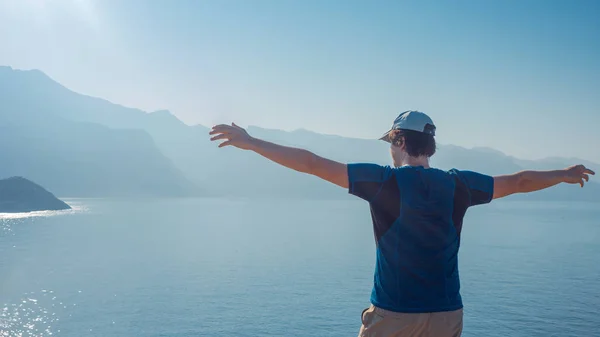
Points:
(45, 9)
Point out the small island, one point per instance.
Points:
(19, 195)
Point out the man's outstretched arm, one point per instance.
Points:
(530, 181)
(296, 159)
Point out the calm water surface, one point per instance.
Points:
(216, 267)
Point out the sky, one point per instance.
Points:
(520, 76)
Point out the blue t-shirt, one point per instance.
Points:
(417, 218)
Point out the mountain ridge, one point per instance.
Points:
(215, 171)
(74, 156)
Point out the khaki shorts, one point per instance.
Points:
(377, 322)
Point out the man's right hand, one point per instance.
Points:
(233, 135)
(294, 158)
(577, 174)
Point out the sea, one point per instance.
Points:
(265, 267)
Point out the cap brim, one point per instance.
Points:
(386, 137)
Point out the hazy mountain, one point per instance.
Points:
(103, 139)
(18, 195)
(74, 158)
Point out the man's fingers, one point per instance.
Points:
(214, 132)
(226, 132)
(581, 182)
(221, 128)
(225, 143)
(588, 171)
(224, 128)
(586, 177)
(219, 136)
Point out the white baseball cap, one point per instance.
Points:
(411, 120)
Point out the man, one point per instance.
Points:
(417, 214)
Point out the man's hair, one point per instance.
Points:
(417, 143)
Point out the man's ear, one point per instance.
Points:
(395, 140)
(399, 143)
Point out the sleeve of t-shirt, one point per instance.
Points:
(481, 187)
(365, 180)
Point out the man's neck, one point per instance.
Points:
(416, 161)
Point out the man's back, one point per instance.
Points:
(417, 217)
